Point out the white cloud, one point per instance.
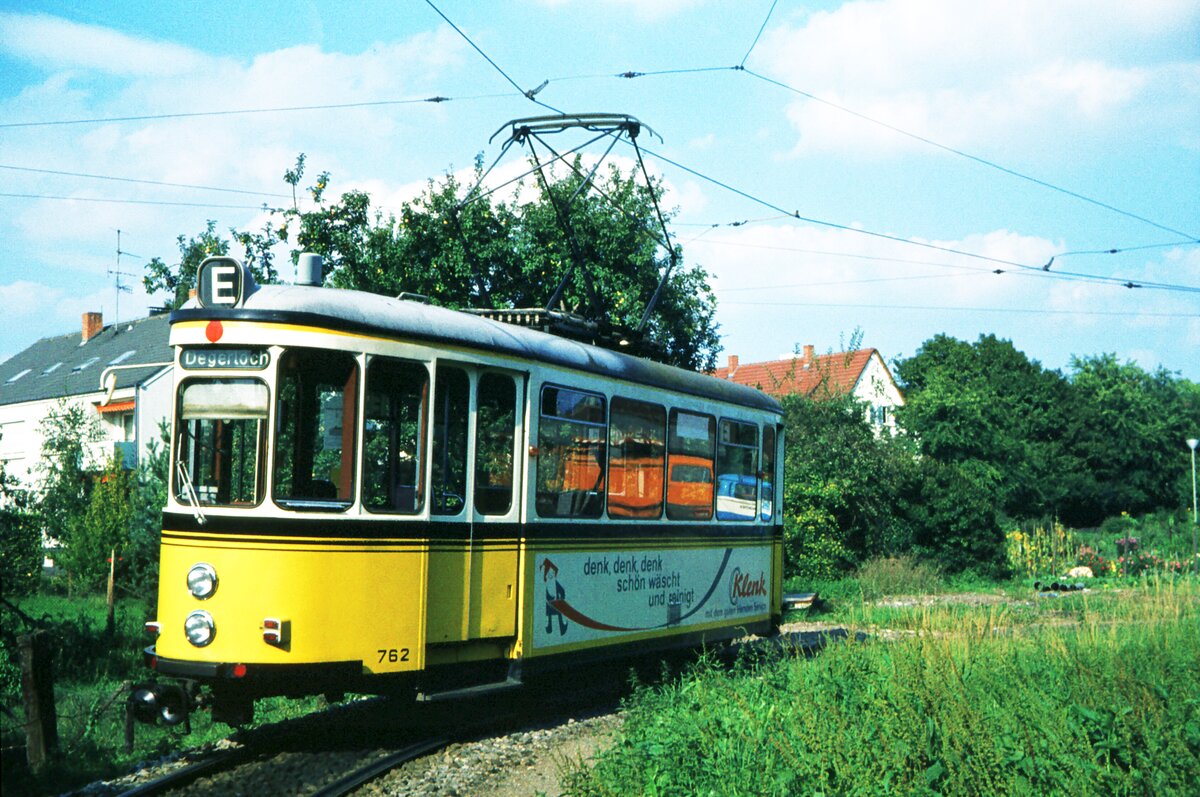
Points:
(981, 72)
(60, 44)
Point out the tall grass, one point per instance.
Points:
(1101, 697)
(93, 670)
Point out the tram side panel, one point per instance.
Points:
(588, 582)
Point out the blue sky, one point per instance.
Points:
(1100, 98)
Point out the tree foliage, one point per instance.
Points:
(1127, 427)
(987, 404)
(508, 254)
(20, 538)
(68, 430)
(178, 279)
(103, 529)
(1106, 439)
(842, 486)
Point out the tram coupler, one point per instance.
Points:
(152, 702)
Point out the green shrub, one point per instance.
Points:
(20, 553)
(897, 575)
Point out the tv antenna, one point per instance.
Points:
(117, 273)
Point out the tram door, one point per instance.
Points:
(474, 480)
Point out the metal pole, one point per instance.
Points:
(1192, 442)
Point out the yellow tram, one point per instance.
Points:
(375, 495)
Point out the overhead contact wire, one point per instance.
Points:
(528, 93)
(983, 161)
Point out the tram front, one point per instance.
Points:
(271, 581)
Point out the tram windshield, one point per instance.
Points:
(221, 442)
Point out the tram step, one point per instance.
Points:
(479, 690)
(799, 600)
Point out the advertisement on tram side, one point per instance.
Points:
(587, 596)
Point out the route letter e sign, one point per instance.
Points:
(220, 282)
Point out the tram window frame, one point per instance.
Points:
(588, 503)
(633, 408)
(185, 465)
(394, 447)
(767, 485)
(449, 459)
(728, 443)
(678, 447)
(343, 482)
(495, 444)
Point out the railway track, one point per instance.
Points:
(335, 752)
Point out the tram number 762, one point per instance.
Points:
(392, 654)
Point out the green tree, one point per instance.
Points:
(103, 528)
(954, 517)
(148, 497)
(988, 405)
(20, 539)
(843, 487)
(1127, 427)
(179, 279)
(486, 254)
(68, 430)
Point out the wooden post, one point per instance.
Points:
(110, 624)
(37, 687)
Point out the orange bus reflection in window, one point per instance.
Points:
(635, 463)
(571, 453)
(691, 443)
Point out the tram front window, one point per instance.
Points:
(315, 430)
(220, 444)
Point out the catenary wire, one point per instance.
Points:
(241, 111)
(983, 161)
(923, 139)
(529, 94)
(964, 309)
(137, 201)
(761, 28)
(140, 181)
(1128, 283)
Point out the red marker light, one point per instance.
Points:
(239, 671)
(214, 331)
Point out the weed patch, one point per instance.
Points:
(1104, 699)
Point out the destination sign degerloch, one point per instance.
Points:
(236, 359)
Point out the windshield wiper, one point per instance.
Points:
(189, 492)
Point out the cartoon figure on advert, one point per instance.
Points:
(554, 592)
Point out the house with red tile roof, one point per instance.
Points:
(861, 373)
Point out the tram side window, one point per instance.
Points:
(570, 463)
(495, 426)
(737, 472)
(766, 504)
(394, 436)
(314, 430)
(691, 442)
(451, 410)
(636, 449)
(222, 441)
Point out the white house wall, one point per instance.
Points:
(20, 427)
(876, 387)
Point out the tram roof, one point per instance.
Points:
(369, 313)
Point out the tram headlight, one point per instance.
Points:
(199, 628)
(202, 581)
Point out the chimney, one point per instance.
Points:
(733, 364)
(808, 356)
(93, 325)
